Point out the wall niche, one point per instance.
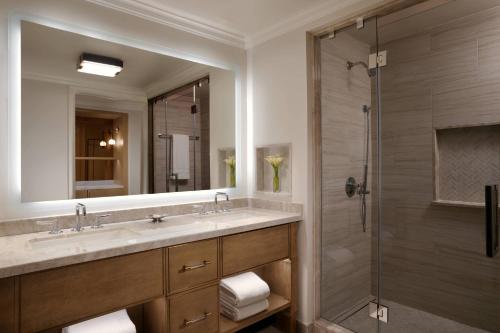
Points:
(466, 159)
(265, 172)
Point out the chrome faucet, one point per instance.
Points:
(217, 200)
(221, 193)
(80, 210)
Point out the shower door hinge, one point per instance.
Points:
(360, 23)
(379, 312)
(379, 59)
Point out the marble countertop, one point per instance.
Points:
(33, 252)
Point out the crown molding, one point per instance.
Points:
(302, 19)
(177, 79)
(176, 19)
(223, 34)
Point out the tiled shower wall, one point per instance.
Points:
(345, 248)
(433, 256)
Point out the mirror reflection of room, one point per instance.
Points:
(128, 121)
(101, 149)
(181, 146)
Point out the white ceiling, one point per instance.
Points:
(52, 53)
(238, 22)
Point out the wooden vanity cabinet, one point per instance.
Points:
(192, 264)
(64, 295)
(8, 305)
(171, 290)
(254, 248)
(195, 311)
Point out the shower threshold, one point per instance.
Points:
(404, 319)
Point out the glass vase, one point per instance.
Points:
(232, 177)
(276, 180)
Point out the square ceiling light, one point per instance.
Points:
(99, 65)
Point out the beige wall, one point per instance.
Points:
(434, 256)
(222, 120)
(44, 150)
(280, 116)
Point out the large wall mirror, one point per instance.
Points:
(104, 119)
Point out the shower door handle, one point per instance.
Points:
(491, 204)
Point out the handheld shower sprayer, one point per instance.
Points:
(361, 189)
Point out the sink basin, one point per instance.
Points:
(142, 230)
(230, 218)
(87, 238)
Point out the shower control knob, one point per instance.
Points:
(351, 187)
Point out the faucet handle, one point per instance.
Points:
(54, 223)
(98, 221)
(226, 206)
(199, 209)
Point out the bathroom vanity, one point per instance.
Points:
(165, 274)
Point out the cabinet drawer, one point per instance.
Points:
(63, 295)
(197, 311)
(254, 248)
(192, 264)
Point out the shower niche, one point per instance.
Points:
(465, 160)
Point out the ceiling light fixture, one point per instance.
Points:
(103, 143)
(99, 65)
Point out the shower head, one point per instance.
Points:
(351, 64)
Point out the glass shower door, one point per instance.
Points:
(349, 237)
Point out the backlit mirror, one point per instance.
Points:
(105, 119)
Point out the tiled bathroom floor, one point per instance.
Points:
(406, 319)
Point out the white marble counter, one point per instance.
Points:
(33, 252)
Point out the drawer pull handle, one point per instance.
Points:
(185, 268)
(188, 323)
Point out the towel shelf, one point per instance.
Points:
(277, 303)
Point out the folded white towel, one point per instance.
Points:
(237, 314)
(116, 322)
(243, 289)
(180, 155)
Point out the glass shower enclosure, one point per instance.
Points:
(410, 149)
(184, 111)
